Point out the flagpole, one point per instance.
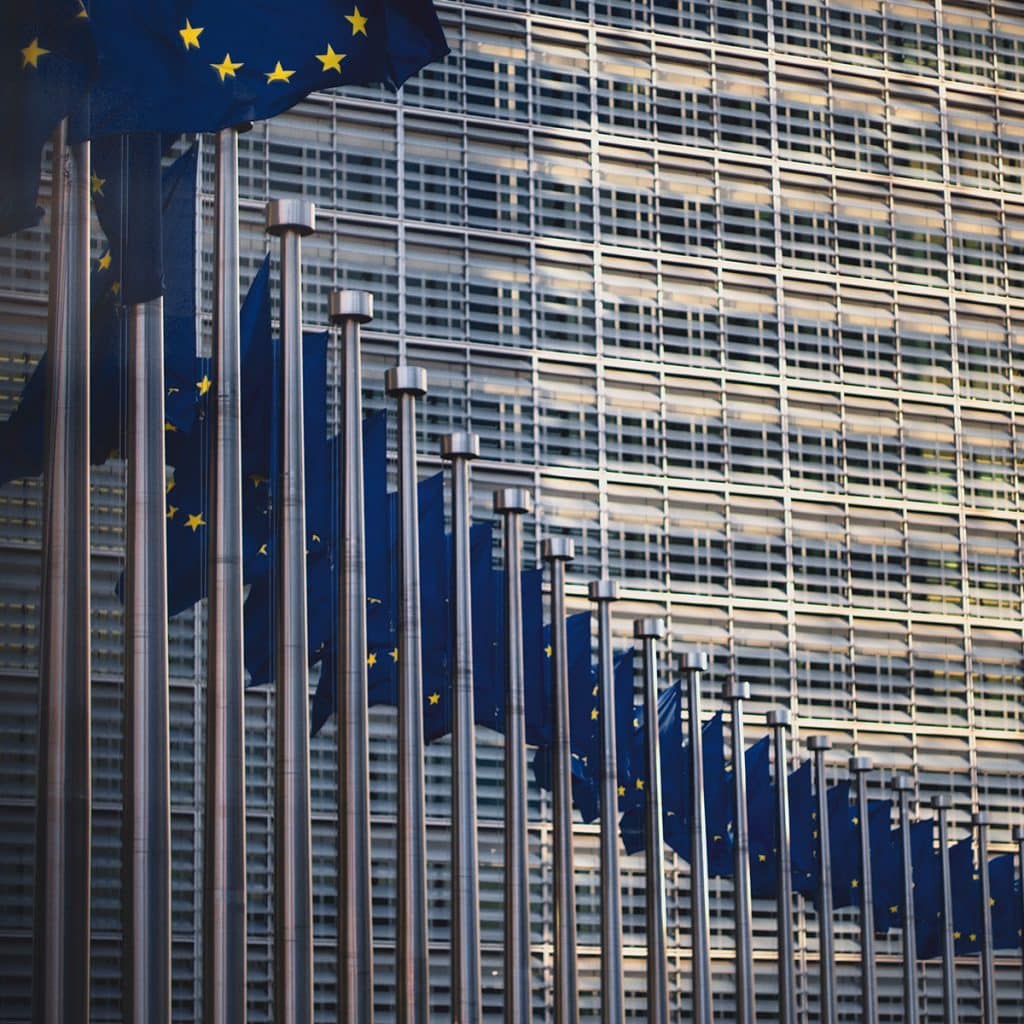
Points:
(942, 802)
(859, 768)
(603, 592)
(60, 990)
(649, 632)
(407, 383)
(349, 310)
(1018, 838)
(693, 663)
(778, 721)
(904, 786)
(459, 449)
(511, 503)
(224, 862)
(826, 940)
(147, 785)
(557, 551)
(981, 821)
(290, 220)
(736, 693)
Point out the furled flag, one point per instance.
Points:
(844, 846)
(886, 866)
(927, 889)
(803, 831)
(761, 815)
(1006, 908)
(966, 890)
(47, 60)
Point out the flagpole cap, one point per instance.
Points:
(347, 304)
(859, 763)
(406, 380)
(981, 818)
(942, 801)
(903, 783)
(558, 549)
(603, 590)
(778, 716)
(817, 743)
(1018, 833)
(460, 445)
(285, 215)
(693, 661)
(736, 690)
(512, 500)
(649, 629)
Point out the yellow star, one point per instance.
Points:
(594, 691)
(371, 659)
(394, 654)
(170, 485)
(278, 74)
(194, 522)
(82, 14)
(374, 600)
(956, 935)
(263, 549)
(172, 511)
(169, 427)
(547, 650)
(854, 884)
(973, 937)
(96, 184)
(639, 783)
(105, 260)
(115, 288)
(331, 60)
(189, 35)
(257, 480)
(622, 790)
(204, 385)
(991, 901)
(30, 54)
(762, 858)
(227, 67)
(358, 22)
(316, 538)
(894, 909)
(593, 715)
(856, 821)
(434, 698)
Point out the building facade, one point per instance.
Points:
(736, 287)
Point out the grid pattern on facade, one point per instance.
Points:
(735, 286)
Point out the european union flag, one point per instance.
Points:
(761, 828)
(843, 845)
(47, 62)
(717, 799)
(803, 831)
(886, 866)
(1006, 908)
(927, 890)
(203, 65)
(966, 887)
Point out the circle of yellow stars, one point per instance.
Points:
(330, 59)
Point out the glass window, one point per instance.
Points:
(687, 214)
(858, 124)
(629, 307)
(802, 114)
(983, 351)
(757, 527)
(561, 78)
(877, 562)
(691, 325)
(919, 230)
(933, 548)
(820, 554)
(498, 180)
(761, 649)
(571, 507)
(500, 297)
(815, 441)
(751, 322)
(967, 39)
(744, 111)
(501, 408)
(742, 21)
(434, 187)
(855, 32)
(977, 240)
(439, 85)
(698, 547)
(624, 87)
(799, 26)
(627, 197)
(997, 677)
(881, 666)
(972, 140)
(864, 230)
(993, 568)
(1014, 219)
(562, 185)
(684, 103)
(912, 36)
(986, 440)
(694, 425)
(1008, 29)
(566, 414)
(434, 276)
(564, 294)
(636, 535)
(807, 238)
(926, 350)
(937, 663)
(916, 132)
(872, 442)
(682, 17)
(748, 228)
(868, 333)
(632, 421)
(811, 331)
(824, 673)
(754, 433)
(930, 452)
(1010, 124)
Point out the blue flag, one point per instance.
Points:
(1006, 906)
(803, 831)
(886, 866)
(927, 890)
(761, 827)
(966, 888)
(47, 62)
(718, 801)
(844, 846)
(203, 65)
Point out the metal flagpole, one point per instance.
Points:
(1018, 838)
(407, 383)
(224, 889)
(349, 310)
(291, 219)
(603, 592)
(511, 503)
(60, 991)
(826, 941)
(147, 783)
(942, 802)
(693, 663)
(458, 449)
(736, 693)
(981, 821)
(904, 786)
(556, 552)
(649, 632)
(778, 721)
(859, 768)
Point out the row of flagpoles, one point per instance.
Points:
(63, 879)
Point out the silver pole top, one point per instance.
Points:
(693, 661)
(558, 549)
(859, 763)
(346, 304)
(460, 445)
(284, 215)
(649, 629)
(817, 743)
(406, 380)
(981, 818)
(603, 590)
(903, 784)
(778, 716)
(1018, 833)
(736, 690)
(513, 499)
(942, 801)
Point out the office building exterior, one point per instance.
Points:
(736, 287)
